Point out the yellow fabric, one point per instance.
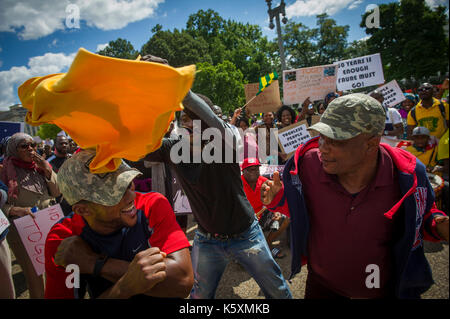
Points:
(424, 157)
(443, 147)
(430, 118)
(122, 108)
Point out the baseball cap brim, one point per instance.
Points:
(77, 183)
(328, 131)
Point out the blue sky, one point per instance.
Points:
(35, 38)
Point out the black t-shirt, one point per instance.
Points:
(56, 162)
(214, 190)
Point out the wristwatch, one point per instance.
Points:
(99, 263)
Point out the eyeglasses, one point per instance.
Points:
(424, 89)
(25, 146)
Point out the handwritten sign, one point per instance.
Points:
(392, 94)
(315, 83)
(4, 222)
(359, 72)
(268, 101)
(33, 233)
(290, 137)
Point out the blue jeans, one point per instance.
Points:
(250, 249)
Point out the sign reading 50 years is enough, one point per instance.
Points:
(359, 72)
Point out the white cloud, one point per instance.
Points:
(33, 19)
(355, 4)
(303, 8)
(101, 47)
(435, 3)
(48, 63)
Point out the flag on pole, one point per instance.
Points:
(266, 80)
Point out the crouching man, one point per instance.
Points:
(124, 243)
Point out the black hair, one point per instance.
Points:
(242, 119)
(284, 108)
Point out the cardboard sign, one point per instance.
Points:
(315, 83)
(290, 137)
(4, 222)
(392, 94)
(359, 72)
(314, 120)
(33, 233)
(268, 101)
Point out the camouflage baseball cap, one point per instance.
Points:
(77, 183)
(351, 115)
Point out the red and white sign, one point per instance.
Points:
(34, 231)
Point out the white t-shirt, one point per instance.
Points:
(393, 117)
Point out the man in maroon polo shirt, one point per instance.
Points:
(359, 209)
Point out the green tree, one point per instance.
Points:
(307, 47)
(179, 48)
(356, 49)
(411, 39)
(120, 48)
(48, 131)
(222, 83)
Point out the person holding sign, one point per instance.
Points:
(124, 243)
(359, 209)
(31, 183)
(394, 125)
(273, 223)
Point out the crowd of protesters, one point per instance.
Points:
(130, 244)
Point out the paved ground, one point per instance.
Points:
(237, 284)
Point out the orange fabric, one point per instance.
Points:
(122, 108)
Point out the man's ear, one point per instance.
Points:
(373, 143)
(82, 209)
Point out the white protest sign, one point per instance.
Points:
(315, 83)
(268, 170)
(290, 137)
(33, 233)
(392, 94)
(4, 222)
(359, 72)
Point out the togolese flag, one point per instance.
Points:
(266, 80)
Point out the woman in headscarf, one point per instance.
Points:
(31, 183)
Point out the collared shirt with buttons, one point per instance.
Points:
(349, 231)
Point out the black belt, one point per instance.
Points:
(218, 236)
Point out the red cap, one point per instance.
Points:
(250, 161)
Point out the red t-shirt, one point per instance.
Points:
(349, 232)
(156, 227)
(254, 196)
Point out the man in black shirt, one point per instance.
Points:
(61, 153)
(227, 227)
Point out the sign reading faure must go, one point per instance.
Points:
(359, 72)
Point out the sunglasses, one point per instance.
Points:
(25, 146)
(424, 89)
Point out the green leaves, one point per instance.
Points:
(411, 40)
(222, 83)
(120, 48)
(48, 131)
(307, 47)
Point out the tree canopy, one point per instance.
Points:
(411, 39)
